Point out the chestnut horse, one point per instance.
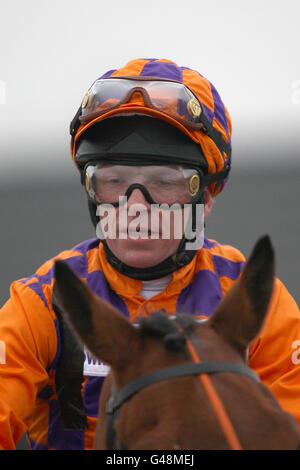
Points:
(179, 383)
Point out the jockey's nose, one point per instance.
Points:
(137, 197)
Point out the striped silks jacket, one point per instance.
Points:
(35, 341)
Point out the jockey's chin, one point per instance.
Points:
(142, 252)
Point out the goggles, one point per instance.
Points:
(172, 98)
(169, 184)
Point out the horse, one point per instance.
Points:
(177, 382)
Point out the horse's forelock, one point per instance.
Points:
(159, 325)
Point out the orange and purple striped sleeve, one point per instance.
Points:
(275, 353)
(28, 333)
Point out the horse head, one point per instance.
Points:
(180, 383)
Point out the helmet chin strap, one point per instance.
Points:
(181, 258)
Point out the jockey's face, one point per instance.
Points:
(156, 242)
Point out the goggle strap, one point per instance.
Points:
(216, 136)
(216, 177)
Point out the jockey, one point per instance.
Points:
(147, 134)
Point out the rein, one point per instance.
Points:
(214, 399)
(193, 367)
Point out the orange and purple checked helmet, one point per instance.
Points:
(193, 105)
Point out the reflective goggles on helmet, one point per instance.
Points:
(170, 97)
(173, 99)
(169, 184)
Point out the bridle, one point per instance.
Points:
(193, 367)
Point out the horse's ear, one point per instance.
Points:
(101, 327)
(240, 314)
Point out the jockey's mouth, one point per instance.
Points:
(141, 233)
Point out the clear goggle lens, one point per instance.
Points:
(107, 183)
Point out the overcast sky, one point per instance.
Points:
(52, 50)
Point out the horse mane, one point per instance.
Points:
(159, 325)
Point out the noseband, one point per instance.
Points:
(190, 368)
